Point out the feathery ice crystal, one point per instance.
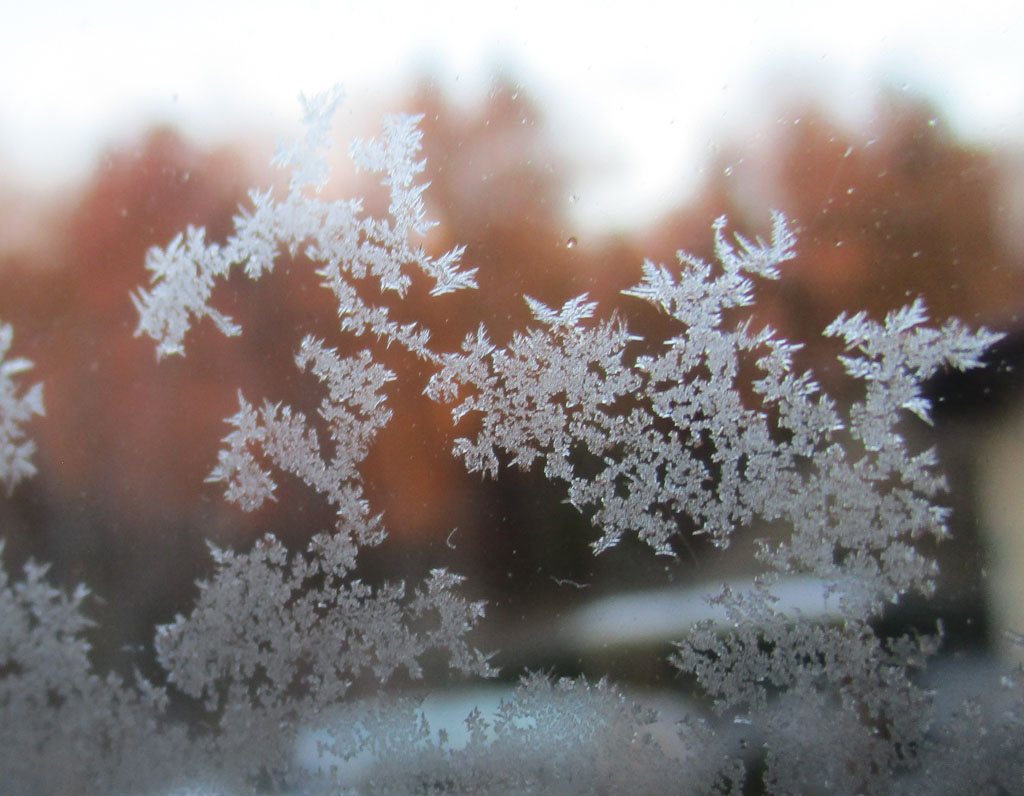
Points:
(638, 440)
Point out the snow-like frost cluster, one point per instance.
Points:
(16, 409)
(645, 443)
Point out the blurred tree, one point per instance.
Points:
(901, 209)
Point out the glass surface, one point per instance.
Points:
(563, 147)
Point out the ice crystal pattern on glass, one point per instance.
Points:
(17, 407)
(647, 438)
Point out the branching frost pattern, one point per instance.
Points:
(647, 438)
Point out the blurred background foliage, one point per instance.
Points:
(885, 211)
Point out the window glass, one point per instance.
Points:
(632, 402)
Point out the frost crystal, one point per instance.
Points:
(16, 409)
(648, 438)
(349, 245)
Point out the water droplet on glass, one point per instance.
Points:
(727, 171)
(571, 243)
(848, 152)
(849, 191)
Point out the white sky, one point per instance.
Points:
(640, 86)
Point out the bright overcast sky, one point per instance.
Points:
(642, 84)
